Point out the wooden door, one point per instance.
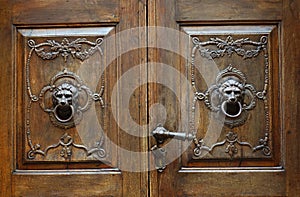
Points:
(60, 66)
(149, 98)
(232, 98)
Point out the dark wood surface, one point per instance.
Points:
(290, 96)
(215, 175)
(7, 101)
(228, 10)
(51, 175)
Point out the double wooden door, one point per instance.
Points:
(149, 98)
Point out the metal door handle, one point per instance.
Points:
(161, 135)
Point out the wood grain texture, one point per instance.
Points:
(253, 69)
(228, 10)
(234, 183)
(41, 72)
(41, 178)
(7, 100)
(132, 36)
(56, 11)
(290, 94)
(224, 179)
(67, 184)
(277, 177)
(165, 89)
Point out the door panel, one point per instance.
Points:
(237, 151)
(247, 62)
(66, 64)
(57, 65)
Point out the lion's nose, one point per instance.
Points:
(232, 97)
(63, 101)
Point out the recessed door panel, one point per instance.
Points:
(64, 96)
(234, 74)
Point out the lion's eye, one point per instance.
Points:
(59, 95)
(237, 92)
(228, 91)
(68, 95)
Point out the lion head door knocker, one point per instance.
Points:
(231, 96)
(65, 99)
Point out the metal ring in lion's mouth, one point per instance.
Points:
(59, 109)
(224, 108)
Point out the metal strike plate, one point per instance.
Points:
(160, 157)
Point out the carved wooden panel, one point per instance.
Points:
(234, 75)
(62, 97)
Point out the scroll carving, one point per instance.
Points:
(230, 46)
(51, 49)
(68, 96)
(231, 149)
(67, 143)
(226, 98)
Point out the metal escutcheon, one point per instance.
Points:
(161, 135)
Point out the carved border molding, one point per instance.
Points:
(67, 142)
(216, 47)
(50, 50)
(65, 48)
(230, 46)
(231, 149)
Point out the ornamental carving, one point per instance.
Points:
(230, 46)
(66, 97)
(231, 149)
(51, 49)
(226, 98)
(66, 142)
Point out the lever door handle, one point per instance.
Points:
(161, 135)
